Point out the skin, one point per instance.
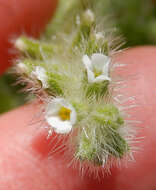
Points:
(24, 161)
(18, 17)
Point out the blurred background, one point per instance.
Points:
(135, 20)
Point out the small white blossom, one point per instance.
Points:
(97, 67)
(60, 115)
(40, 74)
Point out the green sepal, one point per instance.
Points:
(80, 109)
(35, 48)
(93, 45)
(115, 144)
(109, 115)
(53, 81)
(82, 34)
(109, 120)
(97, 89)
(88, 149)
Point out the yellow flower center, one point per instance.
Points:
(97, 73)
(64, 113)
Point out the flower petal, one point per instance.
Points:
(87, 62)
(102, 78)
(54, 106)
(73, 116)
(99, 60)
(91, 76)
(61, 127)
(69, 106)
(40, 74)
(105, 69)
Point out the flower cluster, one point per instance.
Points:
(72, 71)
(60, 114)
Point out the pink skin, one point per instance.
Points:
(24, 149)
(21, 16)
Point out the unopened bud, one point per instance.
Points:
(19, 44)
(88, 17)
(22, 67)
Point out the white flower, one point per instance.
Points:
(40, 74)
(97, 67)
(60, 115)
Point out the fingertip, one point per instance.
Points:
(53, 173)
(27, 151)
